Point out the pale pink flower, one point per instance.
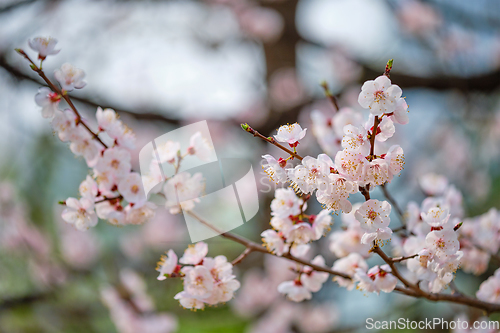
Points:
(285, 203)
(433, 184)
(48, 100)
(274, 169)
(45, 46)
(189, 302)
(355, 139)
(346, 116)
(436, 216)
(443, 243)
(167, 151)
(350, 165)
(198, 281)
(139, 213)
(300, 233)
(130, 187)
(396, 160)
(200, 147)
(290, 134)
(194, 254)
(489, 290)
(322, 223)
(376, 172)
(107, 119)
(80, 213)
(64, 123)
(309, 175)
(400, 115)
(88, 188)
(379, 95)
(83, 144)
(70, 77)
(182, 191)
(311, 279)
(374, 218)
(294, 290)
(274, 242)
(385, 128)
(336, 193)
(115, 160)
(348, 265)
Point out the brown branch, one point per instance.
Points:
(410, 289)
(271, 140)
(58, 91)
(329, 95)
(242, 256)
(399, 259)
(372, 137)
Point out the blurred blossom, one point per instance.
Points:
(418, 18)
(132, 309)
(285, 89)
(79, 249)
(262, 23)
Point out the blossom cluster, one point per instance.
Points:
(434, 236)
(292, 228)
(358, 164)
(206, 280)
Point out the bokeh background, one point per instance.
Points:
(163, 64)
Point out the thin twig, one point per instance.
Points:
(410, 289)
(242, 256)
(271, 140)
(399, 259)
(330, 96)
(58, 91)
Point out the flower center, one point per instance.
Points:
(372, 215)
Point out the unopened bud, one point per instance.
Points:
(457, 226)
(62, 202)
(282, 162)
(388, 67)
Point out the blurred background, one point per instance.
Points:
(164, 64)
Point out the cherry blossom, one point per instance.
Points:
(182, 191)
(48, 100)
(45, 46)
(290, 134)
(275, 169)
(489, 290)
(349, 265)
(88, 188)
(285, 203)
(139, 213)
(70, 77)
(200, 147)
(115, 160)
(311, 279)
(64, 123)
(274, 242)
(194, 254)
(130, 187)
(309, 175)
(433, 184)
(295, 291)
(374, 218)
(80, 213)
(379, 95)
(376, 279)
(356, 140)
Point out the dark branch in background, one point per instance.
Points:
(148, 116)
(23, 300)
